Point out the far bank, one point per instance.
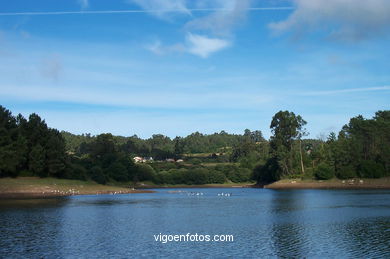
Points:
(380, 183)
(35, 187)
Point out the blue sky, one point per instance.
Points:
(180, 66)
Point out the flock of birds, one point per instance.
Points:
(194, 193)
(201, 193)
(225, 194)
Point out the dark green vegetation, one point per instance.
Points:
(361, 149)
(28, 147)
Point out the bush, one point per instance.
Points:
(371, 169)
(145, 172)
(97, 175)
(216, 177)
(196, 176)
(346, 172)
(195, 161)
(75, 171)
(268, 173)
(118, 172)
(163, 166)
(323, 172)
(309, 173)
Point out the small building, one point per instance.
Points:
(139, 159)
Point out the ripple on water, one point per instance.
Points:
(264, 223)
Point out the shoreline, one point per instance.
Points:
(43, 195)
(333, 184)
(35, 188)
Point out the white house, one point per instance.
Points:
(139, 159)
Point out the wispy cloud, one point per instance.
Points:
(344, 91)
(349, 20)
(83, 3)
(159, 49)
(226, 16)
(196, 44)
(204, 46)
(130, 11)
(206, 33)
(162, 8)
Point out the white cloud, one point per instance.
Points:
(83, 3)
(199, 45)
(204, 46)
(159, 49)
(340, 19)
(215, 24)
(227, 14)
(162, 8)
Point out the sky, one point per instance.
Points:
(178, 66)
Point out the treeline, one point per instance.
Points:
(361, 149)
(28, 147)
(161, 147)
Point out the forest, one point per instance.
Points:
(29, 147)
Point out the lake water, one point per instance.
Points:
(264, 223)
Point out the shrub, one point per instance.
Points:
(75, 171)
(323, 172)
(118, 172)
(270, 172)
(371, 169)
(145, 172)
(195, 161)
(215, 176)
(97, 175)
(346, 172)
(196, 176)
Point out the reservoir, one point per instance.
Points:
(264, 223)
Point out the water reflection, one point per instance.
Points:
(287, 233)
(36, 222)
(357, 243)
(8, 204)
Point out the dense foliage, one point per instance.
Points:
(28, 147)
(361, 149)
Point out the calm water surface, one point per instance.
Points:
(264, 223)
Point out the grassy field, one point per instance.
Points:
(48, 187)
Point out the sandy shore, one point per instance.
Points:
(382, 183)
(33, 187)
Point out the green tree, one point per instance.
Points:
(324, 172)
(269, 172)
(37, 161)
(286, 128)
(12, 144)
(55, 153)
